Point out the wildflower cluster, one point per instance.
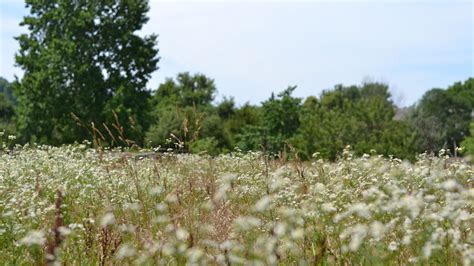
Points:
(117, 208)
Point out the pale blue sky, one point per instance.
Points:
(254, 48)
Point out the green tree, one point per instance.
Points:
(226, 108)
(6, 89)
(86, 58)
(184, 108)
(442, 117)
(463, 92)
(239, 127)
(7, 108)
(360, 116)
(278, 123)
(468, 143)
(187, 90)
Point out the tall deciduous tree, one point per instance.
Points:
(188, 90)
(468, 143)
(7, 108)
(6, 89)
(83, 57)
(442, 117)
(360, 116)
(278, 123)
(182, 109)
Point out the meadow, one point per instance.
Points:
(76, 205)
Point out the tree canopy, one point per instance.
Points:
(442, 117)
(86, 69)
(83, 58)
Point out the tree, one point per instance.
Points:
(360, 116)
(239, 128)
(463, 92)
(468, 143)
(184, 108)
(226, 108)
(187, 90)
(84, 57)
(279, 122)
(7, 108)
(442, 117)
(6, 89)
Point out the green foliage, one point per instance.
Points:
(237, 126)
(84, 57)
(182, 111)
(441, 118)
(7, 90)
(468, 143)
(187, 90)
(168, 123)
(463, 91)
(86, 71)
(279, 122)
(207, 145)
(226, 108)
(362, 117)
(7, 109)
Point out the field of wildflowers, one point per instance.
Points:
(77, 205)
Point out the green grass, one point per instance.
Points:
(232, 209)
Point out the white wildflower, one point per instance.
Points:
(221, 193)
(328, 207)
(134, 206)
(161, 207)
(126, 251)
(450, 185)
(279, 229)
(427, 249)
(182, 234)
(129, 228)
(297, 233)
(319, 187)
(392, 246)
(247, 223)
(263, 204)
(194, 254)
(168, 249)
(377, 229)
(64, 231)
(107, 219)
(156, 190)
(35, 237)
(229, 177)
(412, 204)
(171, 198)
(359, 232)
(406, 240)
(361, 209)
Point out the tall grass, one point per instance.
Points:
(76, 205)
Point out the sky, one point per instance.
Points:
(254, 48)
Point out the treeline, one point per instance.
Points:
(183, 114)
(85, 75)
